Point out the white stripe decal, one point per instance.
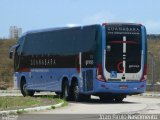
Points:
(124, 44)
(124, 66)
(80, 64)
(124, 52)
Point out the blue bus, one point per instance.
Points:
(108, 60)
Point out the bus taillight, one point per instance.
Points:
(104, 24)
(144, 76)
(100, 75)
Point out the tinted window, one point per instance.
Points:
(116, 35)
(64, 42)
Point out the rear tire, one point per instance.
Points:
(30, 93)
(65, 90)
(58, 94)
(119, 99)
(76, 94)
(105, 98)
(24, 91)
(86, 98)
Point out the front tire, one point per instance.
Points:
(24, 91)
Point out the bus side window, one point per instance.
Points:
(27, 61)
(34, 60)
(42, 60)
(31, 60)
(45, 62)
(37, 61)
(51, 61)
(48, 61)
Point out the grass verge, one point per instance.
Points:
(18, 102)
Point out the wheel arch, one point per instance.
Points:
(64, 79)
(23, 78)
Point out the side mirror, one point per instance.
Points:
(11, 54)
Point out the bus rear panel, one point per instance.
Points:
(124, 60)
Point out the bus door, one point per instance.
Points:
(86, 63)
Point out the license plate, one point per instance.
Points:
(123, 86)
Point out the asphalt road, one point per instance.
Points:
(92, 110)
(130, 105)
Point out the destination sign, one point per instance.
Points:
(123, 29)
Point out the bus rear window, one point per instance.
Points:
(123, 42)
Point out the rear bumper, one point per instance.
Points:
(128, 88)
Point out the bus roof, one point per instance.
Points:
(121, 23)
(54, 29)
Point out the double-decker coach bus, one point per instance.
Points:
(108, 60)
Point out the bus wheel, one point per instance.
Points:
(76, 93)
(77, 96)
(24, 90)
(105, 98)
(119, 99)
(65, 90)
(86, 98)
(30, 93)
(57, 94)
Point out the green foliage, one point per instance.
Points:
(21, 111)
(154, 48)
(7, 102)
(65, 104)
(6, 64)
(53, 107)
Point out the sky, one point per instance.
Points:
(39, 14)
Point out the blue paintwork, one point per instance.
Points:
(51, 79)
(54, 84)
(103, 46)
(114, 87)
